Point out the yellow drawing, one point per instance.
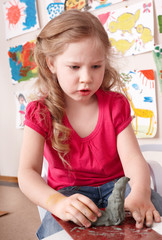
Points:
(146, 35)
(102, 1)
(143, 113)
(125, 22)
(74, 4)
(121, 45)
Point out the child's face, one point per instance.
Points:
(80, 69)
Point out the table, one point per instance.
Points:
(125, 231)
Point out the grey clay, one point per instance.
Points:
(114, 213)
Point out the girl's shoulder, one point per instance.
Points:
(110, 96)
(36, 107)
(38, 117)
(115, 103)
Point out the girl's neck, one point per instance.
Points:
(77, 105)
(83, 116)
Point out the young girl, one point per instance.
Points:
(82, 128)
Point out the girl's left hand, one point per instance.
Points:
(142, 210)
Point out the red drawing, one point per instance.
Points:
(147, 76)
(146, 7)
(14, 13)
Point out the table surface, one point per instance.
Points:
(125, 231)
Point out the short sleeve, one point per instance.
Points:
(121, 113)
(38, 118)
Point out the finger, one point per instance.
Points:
(149, 218)
(73, 219)
(90, 204)
(77, 217)
(138, 218)
(84, 210)
(156, 216)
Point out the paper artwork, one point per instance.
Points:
(54, 8)
(22, 64)
(140, 90)
(20, 17)
(21, 104)
(157, 55)
(130, 29)
(94, 4)
(89, 5)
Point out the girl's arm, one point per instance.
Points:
(76, 208)
(136, 168)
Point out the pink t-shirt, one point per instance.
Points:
(94, 159)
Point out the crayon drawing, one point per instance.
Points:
(21, 104)
(22, 64)
(140, 90)
(131, 29)
(97, 4)
(89, 4)
(54, 8)
(20, 17)
(157, 55)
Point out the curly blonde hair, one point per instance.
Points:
(70, 26)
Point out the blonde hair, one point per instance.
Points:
(70, 26)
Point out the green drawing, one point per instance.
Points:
(157, 54)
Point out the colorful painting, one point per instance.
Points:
(21, 104)
(157, 54)
(140, 90)
(95, 4)
(131, 29)
(20, 17)
(54, 8)
(158, 11)
(22, 64)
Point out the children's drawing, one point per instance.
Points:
(54, 8)
(76, 4)
(157, 54)
(20, 17)
(97, 4)
(140, 90)
(22, 64)
(89, 4)
(158, 11)
(130, 29)
(21, 104)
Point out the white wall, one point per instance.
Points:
(10, 137)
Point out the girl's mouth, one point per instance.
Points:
(84, 92)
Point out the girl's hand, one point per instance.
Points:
(142, 210)
(77, 208)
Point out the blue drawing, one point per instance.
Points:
(148, 99)
(14, 63)
(30, 20)
(103, 5)
(135, 86)
(55, 9)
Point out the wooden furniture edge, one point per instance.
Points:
(8, 179)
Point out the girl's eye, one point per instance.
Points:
(96, 66)
(74, 67)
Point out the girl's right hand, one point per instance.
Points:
(77, 208)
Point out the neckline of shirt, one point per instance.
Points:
(98, 125)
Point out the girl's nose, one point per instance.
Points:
(85, 76)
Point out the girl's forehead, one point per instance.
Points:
(92, 43)
(86, 46)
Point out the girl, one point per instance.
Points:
(82, 128)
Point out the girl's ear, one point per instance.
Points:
(50, 64)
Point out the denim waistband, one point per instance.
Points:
(98, 195)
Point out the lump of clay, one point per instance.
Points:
(114, 213)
